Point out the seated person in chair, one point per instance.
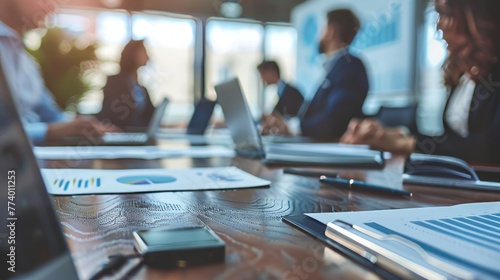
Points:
(472, 72)
(290, 98)
(126, 103)
(42, 119)
(343, 92)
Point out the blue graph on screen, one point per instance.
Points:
(382, 29)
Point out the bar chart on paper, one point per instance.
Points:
(483, 231)
(464, 237)
(65, 184)
(94, 181)
(478, 233)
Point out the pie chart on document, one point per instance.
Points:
(146, 180)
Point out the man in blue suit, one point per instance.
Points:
(341, 96)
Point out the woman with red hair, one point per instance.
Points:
(472, 73)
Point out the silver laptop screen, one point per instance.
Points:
(238, 117)
(155, 122)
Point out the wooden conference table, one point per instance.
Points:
(258, 244)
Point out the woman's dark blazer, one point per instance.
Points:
(119, 104)
(482, 145)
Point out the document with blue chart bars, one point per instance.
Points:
(454, 242)
(95, 181)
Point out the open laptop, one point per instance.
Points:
(248, 142)
(194, 134)
(128, 138)
(202, 114)
(198, 124)
(32, 244)
(239, 121)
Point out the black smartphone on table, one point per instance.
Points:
(169, 248)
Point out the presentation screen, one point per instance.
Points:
(385, 43)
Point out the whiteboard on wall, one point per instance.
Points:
(385, 43)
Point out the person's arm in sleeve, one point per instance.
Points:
(48, 110)
(36, 131)
(343, 102)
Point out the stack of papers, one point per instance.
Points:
(323, 154)
(129, 152)
(94, 181)
(434, 243)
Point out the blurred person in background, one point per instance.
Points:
(472, 73)
(43, 120)
(290, 98)
(341, 95)
(126, 103)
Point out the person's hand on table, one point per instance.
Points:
(216, 124)
(371, 132)
(79, 127)
(174, 126)
(274, 124)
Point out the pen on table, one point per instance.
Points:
(358, 185)
(309, 172)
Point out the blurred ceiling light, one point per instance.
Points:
(112, 3)
(231, 8)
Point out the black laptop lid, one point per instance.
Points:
(201, 117)
(32, 244)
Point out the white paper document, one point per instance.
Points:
(214, 139)
(321, 148)
(129, 152)
(460, 241)
(95, 181)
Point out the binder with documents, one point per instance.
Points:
(317, 230)
(457, 242)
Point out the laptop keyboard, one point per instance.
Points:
(125, 137)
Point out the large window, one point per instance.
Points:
(234, 49)
(170, 43)
(280, 44)
(108, 30)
